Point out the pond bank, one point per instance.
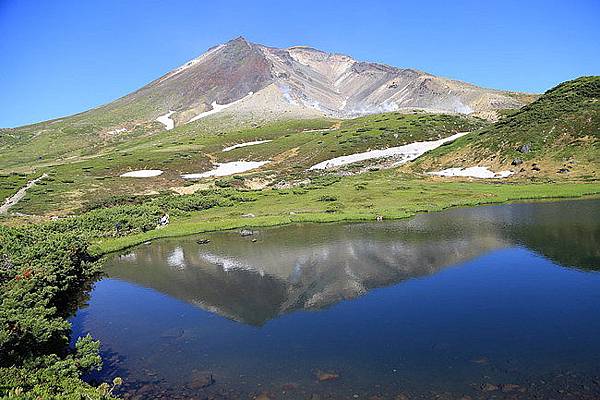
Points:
(220, 219)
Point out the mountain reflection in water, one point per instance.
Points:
(313, 266)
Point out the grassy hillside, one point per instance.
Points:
(294, 147)
(557, 137)
(560, 131)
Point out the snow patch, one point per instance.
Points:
(218, 108)
(142, 173)
(389, 106)
(226, 169)
(344, 103)
(167, 121)
(405, 153)
(116, 131)
(237, 146)
(473, 172)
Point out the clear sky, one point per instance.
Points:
(61, 57)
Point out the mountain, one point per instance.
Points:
(240, 83)
(251, 79)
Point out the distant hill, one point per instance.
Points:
(559, 133)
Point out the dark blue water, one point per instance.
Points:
(499, 302)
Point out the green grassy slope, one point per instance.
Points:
(561, 128)
(294, 147)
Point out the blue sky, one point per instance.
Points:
(61, 57)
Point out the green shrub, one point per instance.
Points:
(327, 197)
(41, 273)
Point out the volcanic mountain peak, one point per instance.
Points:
(243, 81)
(302, 81)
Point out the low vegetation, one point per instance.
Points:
(42, 273)
(559, 133)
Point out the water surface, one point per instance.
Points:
(499, 301)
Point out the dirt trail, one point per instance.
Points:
(15, 198)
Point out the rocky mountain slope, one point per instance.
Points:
(240, 83)
(250, 79)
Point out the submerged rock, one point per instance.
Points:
(172, 333)
(489, 387)
(480, 360)
(327, 376)
(201, 380)
(509, 387)
(289, 386)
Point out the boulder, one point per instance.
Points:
(327, 376)
(201, 380)
(509, 387)
(526, 148)
(489, 387)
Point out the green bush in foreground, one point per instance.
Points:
(41, 275)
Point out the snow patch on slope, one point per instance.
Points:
(473, 172)
(218, 108)
(237, 146)
(166, 120)
(142, 173)
(405, 153)
(286, 93)
(116, 131)
(226, 169)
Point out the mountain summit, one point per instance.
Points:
(250, 79)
